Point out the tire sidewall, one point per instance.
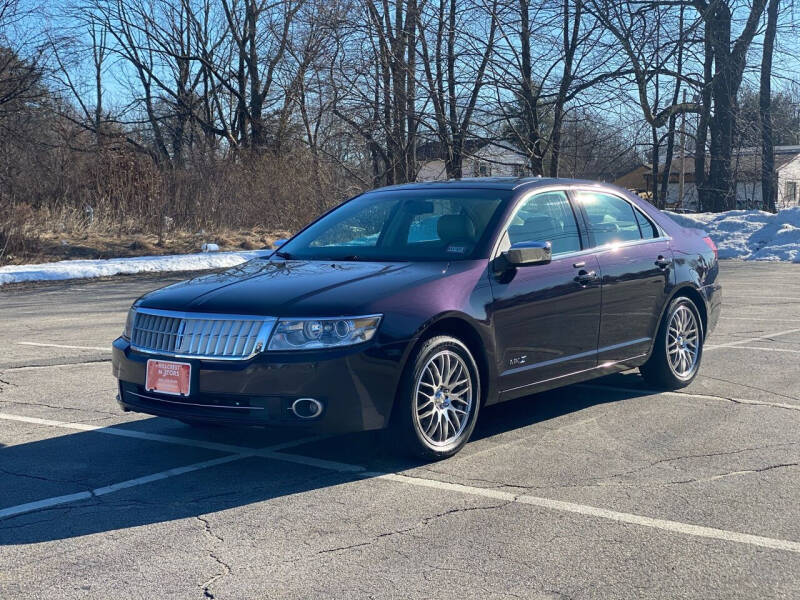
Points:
(662, 341)
(408, 422)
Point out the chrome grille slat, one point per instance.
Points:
(200, 335)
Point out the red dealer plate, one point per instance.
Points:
(166, 377)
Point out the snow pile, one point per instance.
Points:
(750, 234)
(79, 269)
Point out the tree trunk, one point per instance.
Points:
(768, 180)
(721, 124)
(654, 168)
(701, 135)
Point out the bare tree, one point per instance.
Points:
(455, 69)
(768, 183)
(730, 57)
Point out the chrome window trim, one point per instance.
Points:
(260, 345)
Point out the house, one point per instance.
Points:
(747, 172)
(482, 158)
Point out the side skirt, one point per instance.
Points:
(600, 370)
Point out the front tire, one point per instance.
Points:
(678, 347)
(439, 399)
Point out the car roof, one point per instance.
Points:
(494, 183)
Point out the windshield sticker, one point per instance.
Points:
(457, 249)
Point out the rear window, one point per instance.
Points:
(646, 226)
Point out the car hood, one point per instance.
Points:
(295, 288)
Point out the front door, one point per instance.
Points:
(636, 267)
(546, 317)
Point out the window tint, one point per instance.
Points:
(611, 219)
(425, 224)
(361, 229)
(646, 226)
(546, 217)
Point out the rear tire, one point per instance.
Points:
(678, 347)
(438, 401)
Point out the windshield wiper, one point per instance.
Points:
(280, 254)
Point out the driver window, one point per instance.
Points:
(546, 217)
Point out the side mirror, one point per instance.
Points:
(523, 254)
(278, 243)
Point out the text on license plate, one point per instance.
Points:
(166, 377)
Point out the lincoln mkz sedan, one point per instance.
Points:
(411, 307)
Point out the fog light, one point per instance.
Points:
(306, 408)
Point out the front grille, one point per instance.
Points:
(196, 335)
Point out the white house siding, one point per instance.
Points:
(748, 194)
(490, 161)
(432, 170)
(789, 173)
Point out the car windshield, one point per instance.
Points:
(401, 225)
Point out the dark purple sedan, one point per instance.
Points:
(410, 307)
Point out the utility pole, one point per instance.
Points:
(682, 178)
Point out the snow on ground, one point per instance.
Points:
(742, 234)
(750, 234)
(78, 269)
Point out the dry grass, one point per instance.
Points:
(116, 204)
(95, 245)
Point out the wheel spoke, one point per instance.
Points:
(683, 341)
(444, 398)
(427, 414)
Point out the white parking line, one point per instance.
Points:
(760, 298)
(13, 511)
(602, 513)
(105, 348)
(236, 453)
(764, 349)
(612, 388)
(131, 433)
(760, 319)
(269, 452)
(760, 338)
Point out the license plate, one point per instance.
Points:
(166, 377)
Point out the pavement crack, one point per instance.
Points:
(225, 567)
(55, 407)
(734, 474)
(745, 385)
(705, 455)
(422, 523)
(39, 477)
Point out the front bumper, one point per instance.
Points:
(356, 387)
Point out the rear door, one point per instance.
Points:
(546, 316)
(635, 262)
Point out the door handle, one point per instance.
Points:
(663, 262)
(585, 277)
(578, 265)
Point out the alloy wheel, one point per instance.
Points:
(443, 398)
(683, 342)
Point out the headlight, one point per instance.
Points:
(307, 334)
(129, 323)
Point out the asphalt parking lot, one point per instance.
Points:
(600, 490)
